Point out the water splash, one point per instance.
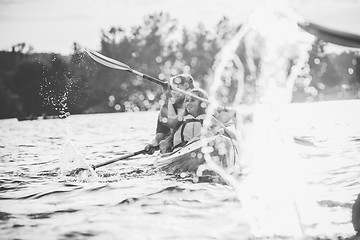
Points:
(73, 164)
(64, 111)
(72, 161)
(255, 74)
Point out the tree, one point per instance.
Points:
(27, 85)
(142, 49)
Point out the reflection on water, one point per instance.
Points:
(132, 199)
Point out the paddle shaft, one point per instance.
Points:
(112, 63)
(118, 159)
(151, 79)
(165, 84)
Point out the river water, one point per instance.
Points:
(132, 199)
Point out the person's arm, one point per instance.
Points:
(168, 115)
(225, 116)
(154, 144)
(173, 117)
(219, 127)
(161, 132)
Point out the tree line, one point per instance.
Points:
(35, 84)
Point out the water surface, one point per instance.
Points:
(132, 199)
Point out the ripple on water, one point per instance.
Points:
(133, 199)
(50, 214)
(4, 216)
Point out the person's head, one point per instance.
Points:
(183, 82)
(194, 106)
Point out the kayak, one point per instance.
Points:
(223, 151)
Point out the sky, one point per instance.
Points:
(53, 25)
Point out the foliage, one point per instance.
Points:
(33, 84)
(329, 76)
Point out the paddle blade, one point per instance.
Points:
(106, 61)
(73, 163)
(331, 35)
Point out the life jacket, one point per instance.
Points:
(190, 128)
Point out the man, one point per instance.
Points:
(175, 101)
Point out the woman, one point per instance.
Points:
(190, 125)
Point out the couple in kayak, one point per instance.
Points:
(181, 117)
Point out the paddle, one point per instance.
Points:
(333, 36)
(112, 63)
(118, 159)
(93, 167)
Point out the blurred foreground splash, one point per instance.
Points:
(255, 74)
